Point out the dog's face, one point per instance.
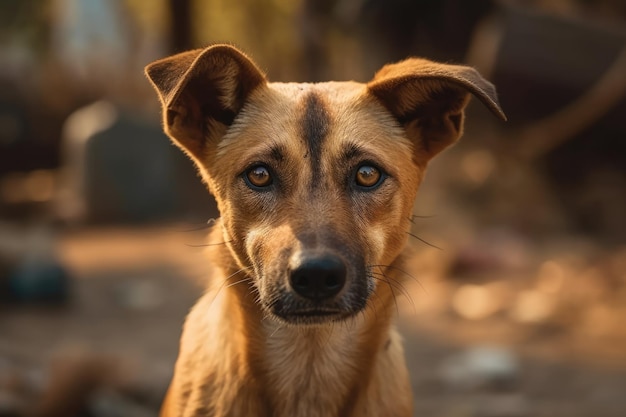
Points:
(315, 182)
(315, 185)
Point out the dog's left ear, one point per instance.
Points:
(202, 91)
(429, 99)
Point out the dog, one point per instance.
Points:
(315, 184)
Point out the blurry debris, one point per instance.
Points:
(40, 185)
(73, 378)
(80, 383)
(139, 295)
(10, 405)
(18, 389)
(84, 383)
(29, 269)
(601, 321)
(532, 307)
(589, 286)
(23, 187)
(502, 405)
(481, 367)
(476, 302)
(38, 281)
(551, 277)
(111, 403)
(477, 166)
(493, 250)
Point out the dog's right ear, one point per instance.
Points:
(429, 98)
(201, 92)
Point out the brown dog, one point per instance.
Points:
(315, 184)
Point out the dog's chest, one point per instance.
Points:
(310, 370)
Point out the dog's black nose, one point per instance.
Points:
(319, 278)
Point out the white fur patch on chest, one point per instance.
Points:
(310, 368)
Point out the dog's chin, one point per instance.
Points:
(313, 317)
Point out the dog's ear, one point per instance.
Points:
(429, 99)
(201, 92)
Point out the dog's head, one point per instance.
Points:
(315, 182)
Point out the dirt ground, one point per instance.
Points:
(131, 289)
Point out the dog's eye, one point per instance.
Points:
(368, 176)
(259, 176)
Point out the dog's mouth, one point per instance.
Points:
(321, 314)
(289, 311)
(313, 316)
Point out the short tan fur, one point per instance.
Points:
(315, 184)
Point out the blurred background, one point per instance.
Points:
(517, 302)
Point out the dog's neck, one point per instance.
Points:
(313, 369)
(304, 368)
(320, 367)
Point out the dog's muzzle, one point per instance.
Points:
(318, 287)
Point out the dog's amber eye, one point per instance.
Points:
(259, 176)
(367, 176)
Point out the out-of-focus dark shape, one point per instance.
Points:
(37, 281)
(388, 31)
(30, 271)
(181, 29)
(120, 168)
(562, 81)
(440, 30)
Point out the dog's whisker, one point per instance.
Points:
(329, 334)
(348, 324)
(232, 284)
(393, 294)
(367, 310)
(423, 241)
(207, 225)
(223, 284)
(371, 302)
(398, 285)
(416, 216)
(204, 245)
(395, 268)
(279, 326)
